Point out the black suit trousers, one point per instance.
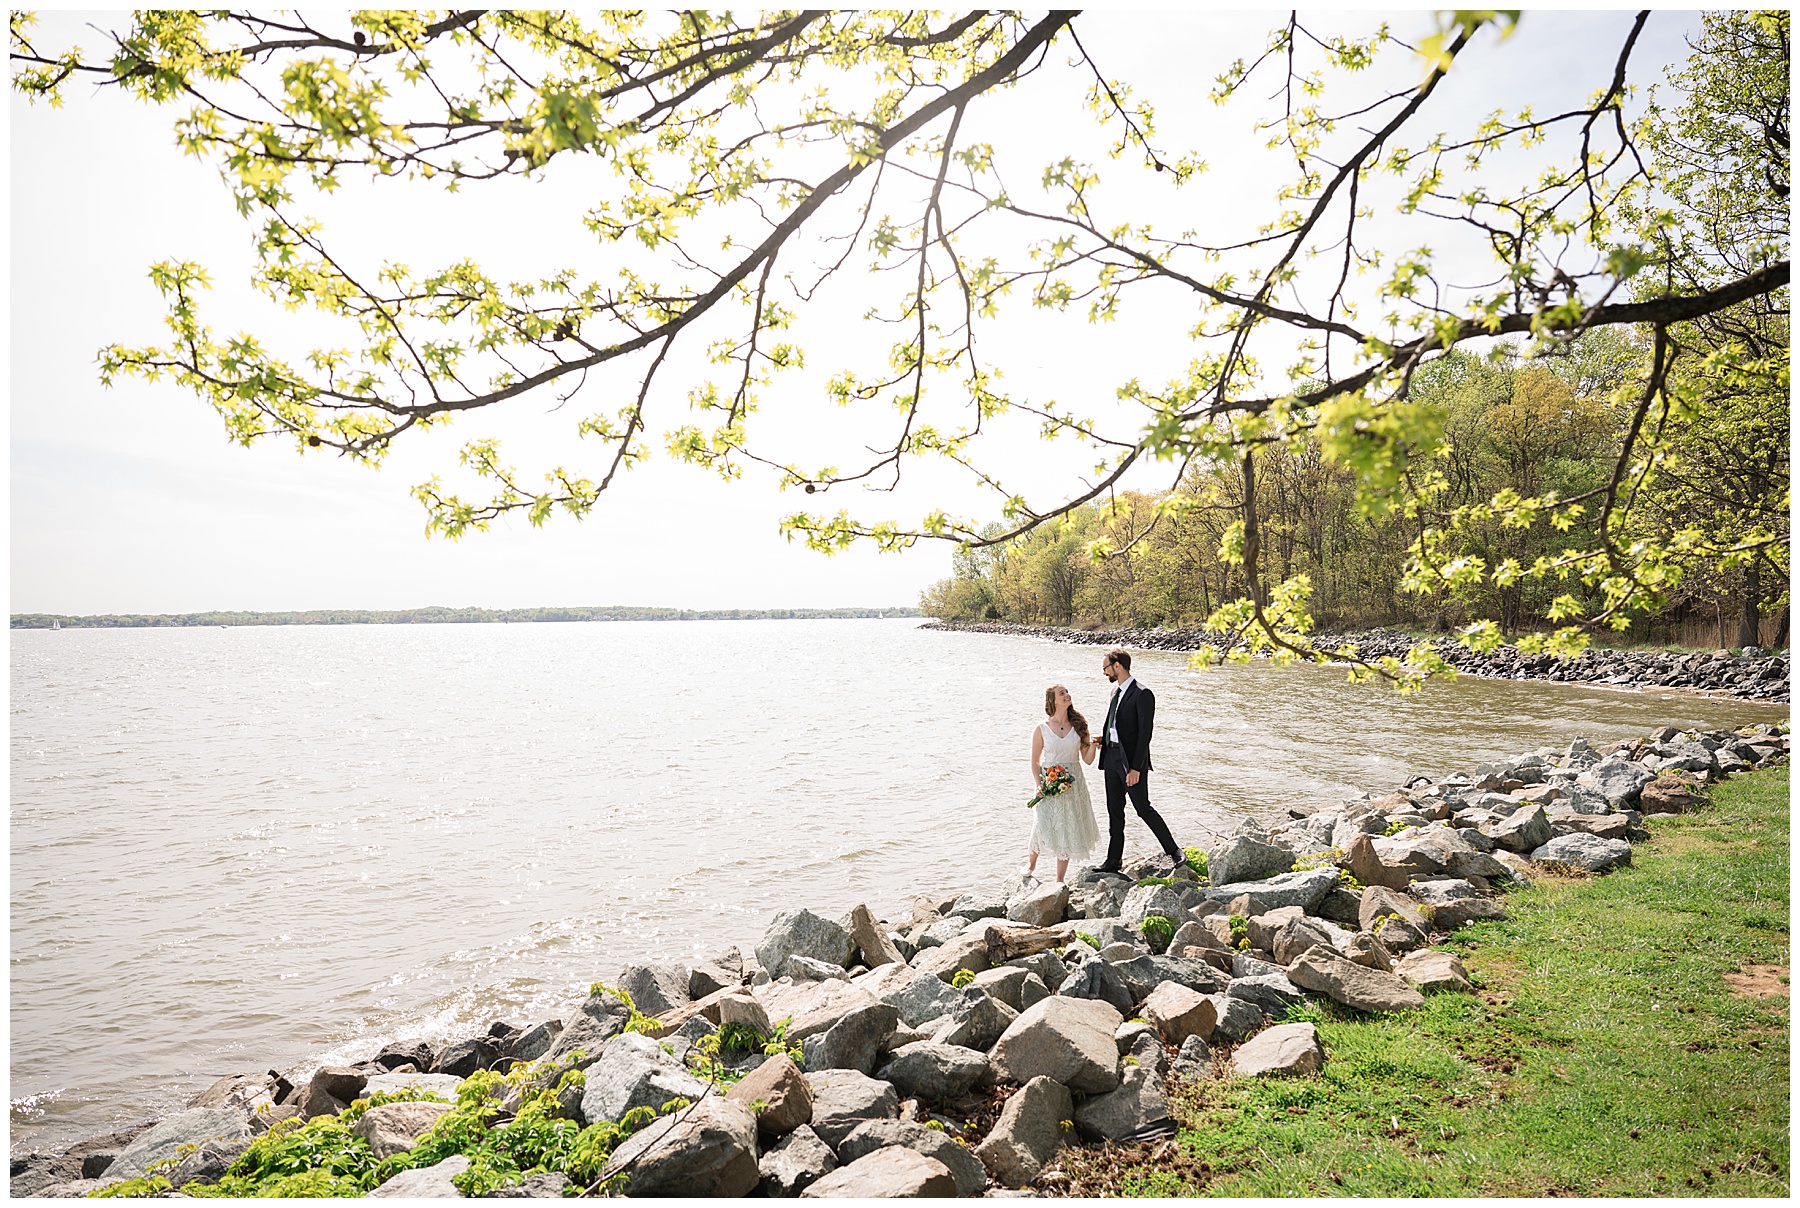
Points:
(1139, 793)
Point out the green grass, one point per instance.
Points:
(1603, 1055)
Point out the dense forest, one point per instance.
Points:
(444, 616)
(1502, 421)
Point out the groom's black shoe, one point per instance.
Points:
(1108, 867)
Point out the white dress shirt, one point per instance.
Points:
(1112, 734)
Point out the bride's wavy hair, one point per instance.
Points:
(1075, 718)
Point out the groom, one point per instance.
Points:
(1125, 758)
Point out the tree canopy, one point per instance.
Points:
(732, 141)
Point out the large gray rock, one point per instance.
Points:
(1096, 980)
(922, 996)
(392, 1128)
(778, 1093)
(1272, 994)
(1303, 889)
(603, 1016)
(1526, 829)
(1039, 905)
(1353, 985)
(1143, 974)
(534, 1041)
(940, 932)
(1028, 1133)
(428, 1183)
(974, 906)
(1247, 858)
(707, 1150)
(195, 1126)
(1047, 965)
(1379, 901)
(968, 951)
(207, 1164)
(853, 1042)
(1590, 852)
(842, 1099)
(1194, 1061)
(1068, 1039)
(803, 933)
(547, 1185)
(964, 1166)
(655, 988)
(929, 1070)
(1145, 900)
(1238, 1018)
(795, 1163)
(1135, 1111)
(887, 1174)
(813, 1007)
(1618, 780)
(1364, 949)
(871, 940)
(1301, 936)
(805, 968)
(634, 1071)
(1177, 1012)
(1005, 984)
(1289, 1048)
(978, 1021)
(1432, 970)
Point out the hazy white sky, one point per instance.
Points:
(131, 499)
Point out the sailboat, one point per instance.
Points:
(56, 624)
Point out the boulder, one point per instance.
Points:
(1441, 892)
(964, 952)
(1669, 794)
(1041, 905)
(1364, 949)
(1247, 858)
(1028, 1133)
(458, 1060)
(1525, 829)
(1432, 970)
(1096, 980)
(546, 1185)
(803, 933)
(1146, 1050)
(977, 1022)
(428, 1183)
(710, 977)
(601, 1017)
(634, 1071)
(534, 1041)
(1143, 901)
(1194, 1062)
(207, 1164)
(1195, 934)
(1378, 901)
(795, 1163)
(1285, 1049)
(1005, 984)
(392, 1128)
(1144, 973)
(1047, 965)
(895, 1173)
(1065, 1038)
(1272, 994)
(1365, 864)
(416, 1053)
(1398, 935)
(1262, 928)
(805, 968)
(842, 1099)
(921, 996)
(811, 1007)
(1618, 780)
(195, 1126)
(939, 931)
(738, 1005)
(971, 1177)
(1300, 936)
(929, 1070)
(1238, 1018)
(972, 907)
(1178, 1012)
(783, 1093)
(1245, 965)
(1353, 985)
(656, 988)
(1605, 826)
(243, 1091)
(1588, 852)
(1453, 916)
(1135, 1111)
(1303, 889)
(871, 940)
(853, 1042)
(707, 1150)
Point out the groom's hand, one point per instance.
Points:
(1131, 778)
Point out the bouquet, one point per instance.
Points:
(1057, 779)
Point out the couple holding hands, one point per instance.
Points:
(1064, 827)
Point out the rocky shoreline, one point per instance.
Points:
(956, 1051)
(1757, 674)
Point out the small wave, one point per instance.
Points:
(31, 1107)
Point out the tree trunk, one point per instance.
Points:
(1750, 619)
(1779, 640)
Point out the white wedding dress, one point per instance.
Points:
(1064, 826)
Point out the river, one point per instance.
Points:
(267, 848)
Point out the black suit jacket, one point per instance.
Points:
(1136, 719)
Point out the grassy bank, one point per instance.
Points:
(1606, 1054)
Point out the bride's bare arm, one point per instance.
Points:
(1037, 756)
(1090, 747)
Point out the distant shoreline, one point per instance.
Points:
(448, 616)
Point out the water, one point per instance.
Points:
(255, 848)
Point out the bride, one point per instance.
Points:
(1064, 826)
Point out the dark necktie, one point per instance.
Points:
(1112, 713)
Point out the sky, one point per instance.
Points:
(131, 500)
